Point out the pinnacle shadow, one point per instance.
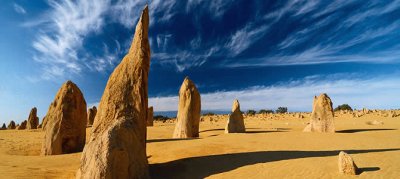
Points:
(362, 130)
(170, 139)
(221, 129)
(205, 166)
(258, 132)
(367, 169)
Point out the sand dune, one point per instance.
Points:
(270, 148)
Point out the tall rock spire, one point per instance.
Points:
(117, 146)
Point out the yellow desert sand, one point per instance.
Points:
(273, 146)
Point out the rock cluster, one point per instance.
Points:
(117, 145)
(189, 108)
(65, 130)
(33, 120)
(346, 164)
(322, 115)
(150, 116)
(4, 127)
(235, 122)
(11, 125)
(22, 126)
(91, 115)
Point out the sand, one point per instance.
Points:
(271, 148)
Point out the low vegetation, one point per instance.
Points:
(281, 110)
(251, 112)
(160, 118)
(265, 111)
(343, 107)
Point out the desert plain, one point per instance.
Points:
(273, 146)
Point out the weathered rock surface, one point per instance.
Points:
(11, 125)
(188, 118)
(117, 146)
(235, 122)
(150, 116)
(322, 115)
(346, 164)
(91, 115)
(4, 127)
(65, 131)
(33, 120)
(22, 126)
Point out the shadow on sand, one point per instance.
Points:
(170, 139)
(367, 169)
(204, 166)
(257, 132)
(362, 130)
(221, 129)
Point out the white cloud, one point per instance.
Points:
(185, 59)
(71, 22)
(216, 8)
(381, 92)
(126, 11)
(59, 45)
(243, 38)
(19, 9)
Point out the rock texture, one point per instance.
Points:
(65, 131)
(22, 126)
(150, 116)
(4, 127)
(91, 115)
(11, 125)
(235, 122)
(117, 146)
(33, 120)
(322, 115)
(188, 118)
(346, 164)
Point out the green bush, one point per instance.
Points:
(160, 118)
(250, 112)
(265, 111)
(209, 114)
(343, 107)
(281, 110)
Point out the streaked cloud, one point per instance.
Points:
(380, 92)
(19, 9)
(294, 32)
(59, 44)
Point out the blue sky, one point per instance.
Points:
(265, 53)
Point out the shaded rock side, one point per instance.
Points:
(117, 146)
(33, 120)
(3, 127)
(22, 126)
(346, 164)
(189, 108)
(322, 115)
(150, 116)
(91, 115)
(235, 122)
(11, 125)
(65, 131)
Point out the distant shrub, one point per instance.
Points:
(281, 110)
(251, 112)
(209, 114)
(160, 118)
(343, 107)
(265, 111)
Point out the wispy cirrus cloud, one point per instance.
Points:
(59, 43)
(188, 34)
(19, 9)
(379, 92)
